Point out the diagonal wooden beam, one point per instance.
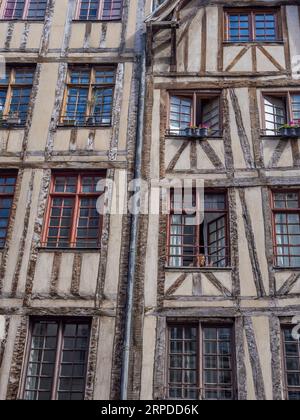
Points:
(237, 58)
(271, 58)
(289, 284)
(278, 152)
(175, 159)
(218, 285)
(172, 289)
(211, 154)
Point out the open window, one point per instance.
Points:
(281, 110)
(199, 245)
(194, 110)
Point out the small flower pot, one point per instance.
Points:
(203, 132)
(191, 132)
(289, 132)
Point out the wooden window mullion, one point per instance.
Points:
(57, 361)
(26, 9)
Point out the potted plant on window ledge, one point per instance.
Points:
(200, 131)
(291, 130)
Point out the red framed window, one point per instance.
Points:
(72, 217)
(7, 190)
(286, 227)
(200, 362)
(252, 25)
(99, 9)
(199, 245)
(25, 9)
(57, 359)
(194, 109)
(291, 364)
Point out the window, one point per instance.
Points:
(89, 97)
(194, 109)
(200, 364)
(57, 359)
(286, 221)
(7, 190)
(258, 25)
(15, 93)
(72, 219)
(25, 9)
(280, 109)
(99, 9)
(292, 364)
(204, 245)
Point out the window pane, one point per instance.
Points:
(218, 381)
(37, 9)
(239, 28)
(7, 188)
(287, 228)
(180, 113)
(112, 9)
(183, 371)
(73, 367)
(275, 114)
(292, 364)
(40, 369)
(14, 9)
(265, 27)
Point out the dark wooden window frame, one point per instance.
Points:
(200, 324)
(75, 215)
(194, 94)
(91, 86)
(252, 12)
(197, 238)
(9, 87)
(61, 321)
(7, 195)
(276, 211)
(287, 388)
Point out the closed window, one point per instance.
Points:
(25, 9)
(292, 364)
(15, 93)
(89, 97)
(7, 190)
(199, 245)
(72, 218)
(57, 360)
(286, 222)
(99, 9)
(196, 110)
(280, 109)
(258, 25)
(200, 364)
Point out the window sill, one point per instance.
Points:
(23, 20)
(239, 43)
(279, 269)
(97, 20)
(196, 269)
(70, 127)
(69, 250)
